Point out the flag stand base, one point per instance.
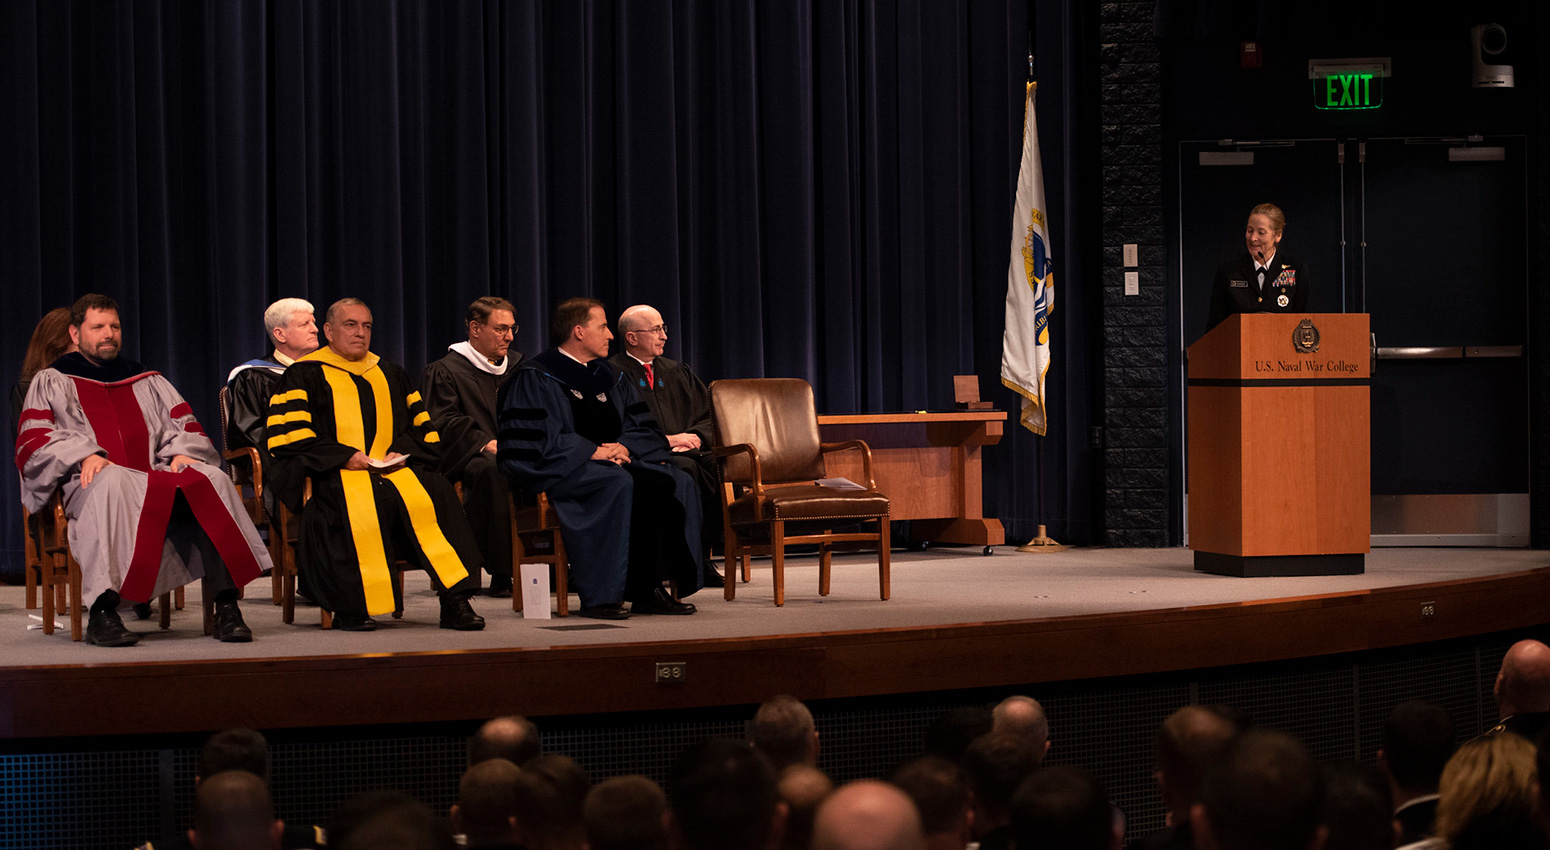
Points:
(1042, 543)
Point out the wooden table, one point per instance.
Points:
(928, 465)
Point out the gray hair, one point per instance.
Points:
(278, 315)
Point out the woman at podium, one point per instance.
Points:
(1266, 278)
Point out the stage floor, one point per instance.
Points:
(934, 589)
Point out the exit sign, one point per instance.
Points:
(1346, 84)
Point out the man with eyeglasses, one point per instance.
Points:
(680, 403)
(460, 391)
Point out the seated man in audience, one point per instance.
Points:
(1023, 716)
(868, 815)
(724, 798)
(149, 507)
(1522, 690)
(952, 733)
(233, 811)
(802, 788)
(352, 423)
(460, 392)
(485, 813)
(626, 813)
(551, 791)
(1417, 742)
(512, 738)
(1064, 807)
(293, 333)
(680, 403)
(1190, 741)
(783, 730)
(1357, 812)
(995, 765)
(942, 798)
(573, 428)
(1264, 793)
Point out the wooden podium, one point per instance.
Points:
(1280, 481)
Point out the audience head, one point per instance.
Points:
(512, 738)
(643, 331)
(1263, 794)
(486, 808)
(949, 735)
(551, 790)
(995, 765)
(725, 798)
(802, 788)
(1189, 742)
(626, 813)
(1487, 796)
(235, 749)
(291, 326)
(94, 328)
(1064, 808)
(580, 326)
(50, 341)
(492, 326)
(348, 328)
(1358, 811)
(365, 819)
(1523, 683)
(867, 815)
(1023, 716)
(1417, 742)
(783, 730)
(941, 797)
(232, 811)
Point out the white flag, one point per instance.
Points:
(1030, 289)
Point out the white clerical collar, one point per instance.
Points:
(1266, 264)
(480, 362)
(640, 361)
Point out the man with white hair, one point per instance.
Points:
(292, 331)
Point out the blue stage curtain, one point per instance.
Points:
(818, 189)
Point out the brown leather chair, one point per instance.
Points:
(770, 457)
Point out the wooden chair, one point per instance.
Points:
(246, 469)
(771, 458)
(535, 527)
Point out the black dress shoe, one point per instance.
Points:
(500, 587)
(457, 614)
(106, 629)
(229, 627)
(611, 611)
(142, 610)
(354, 623)
(661, 602)
(713, 576)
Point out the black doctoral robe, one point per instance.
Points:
(248, 389)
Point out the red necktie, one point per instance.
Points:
(651, 382)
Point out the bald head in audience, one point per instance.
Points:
(783, 730)
(486, 808)
(233, 811)
(513, 738)
(1523, 683)
(1020, 715)
(868, 815)
(802, 788)
(626, 813)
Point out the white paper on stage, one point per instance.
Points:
(535, 591)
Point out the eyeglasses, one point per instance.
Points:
(659, 330)
(503, 330)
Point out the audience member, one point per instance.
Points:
(1418, 739)
(572, 427)
(461, 391)
(802, 788)
(1523, 690)
(949, 735)
(388, 820)
(50, 340)
(232, 811)
(1188, 743)
(1487, 798)
(783, 730)
(725, 797)
(867, 815)
(995, 765)
(1357, 812)
(941, 796)
(485, 813)
(1064, 808)
(135, 470)
(626, 813)
(1262, 794)
(513, 738)
(375, 496)
(551, 790)
(1023, 716)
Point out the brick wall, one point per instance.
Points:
(1135, 414)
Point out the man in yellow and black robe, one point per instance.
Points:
(354, 425)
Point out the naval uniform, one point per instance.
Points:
(1237, 288)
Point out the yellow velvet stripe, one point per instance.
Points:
(295, 436)
(427, 531)
(293, 395)
(432, 437)
(382, 441)
(414, 398)
(422, 418)
(365, 529)
(293, 416)
(348, 427)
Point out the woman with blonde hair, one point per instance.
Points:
(1487, 798)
